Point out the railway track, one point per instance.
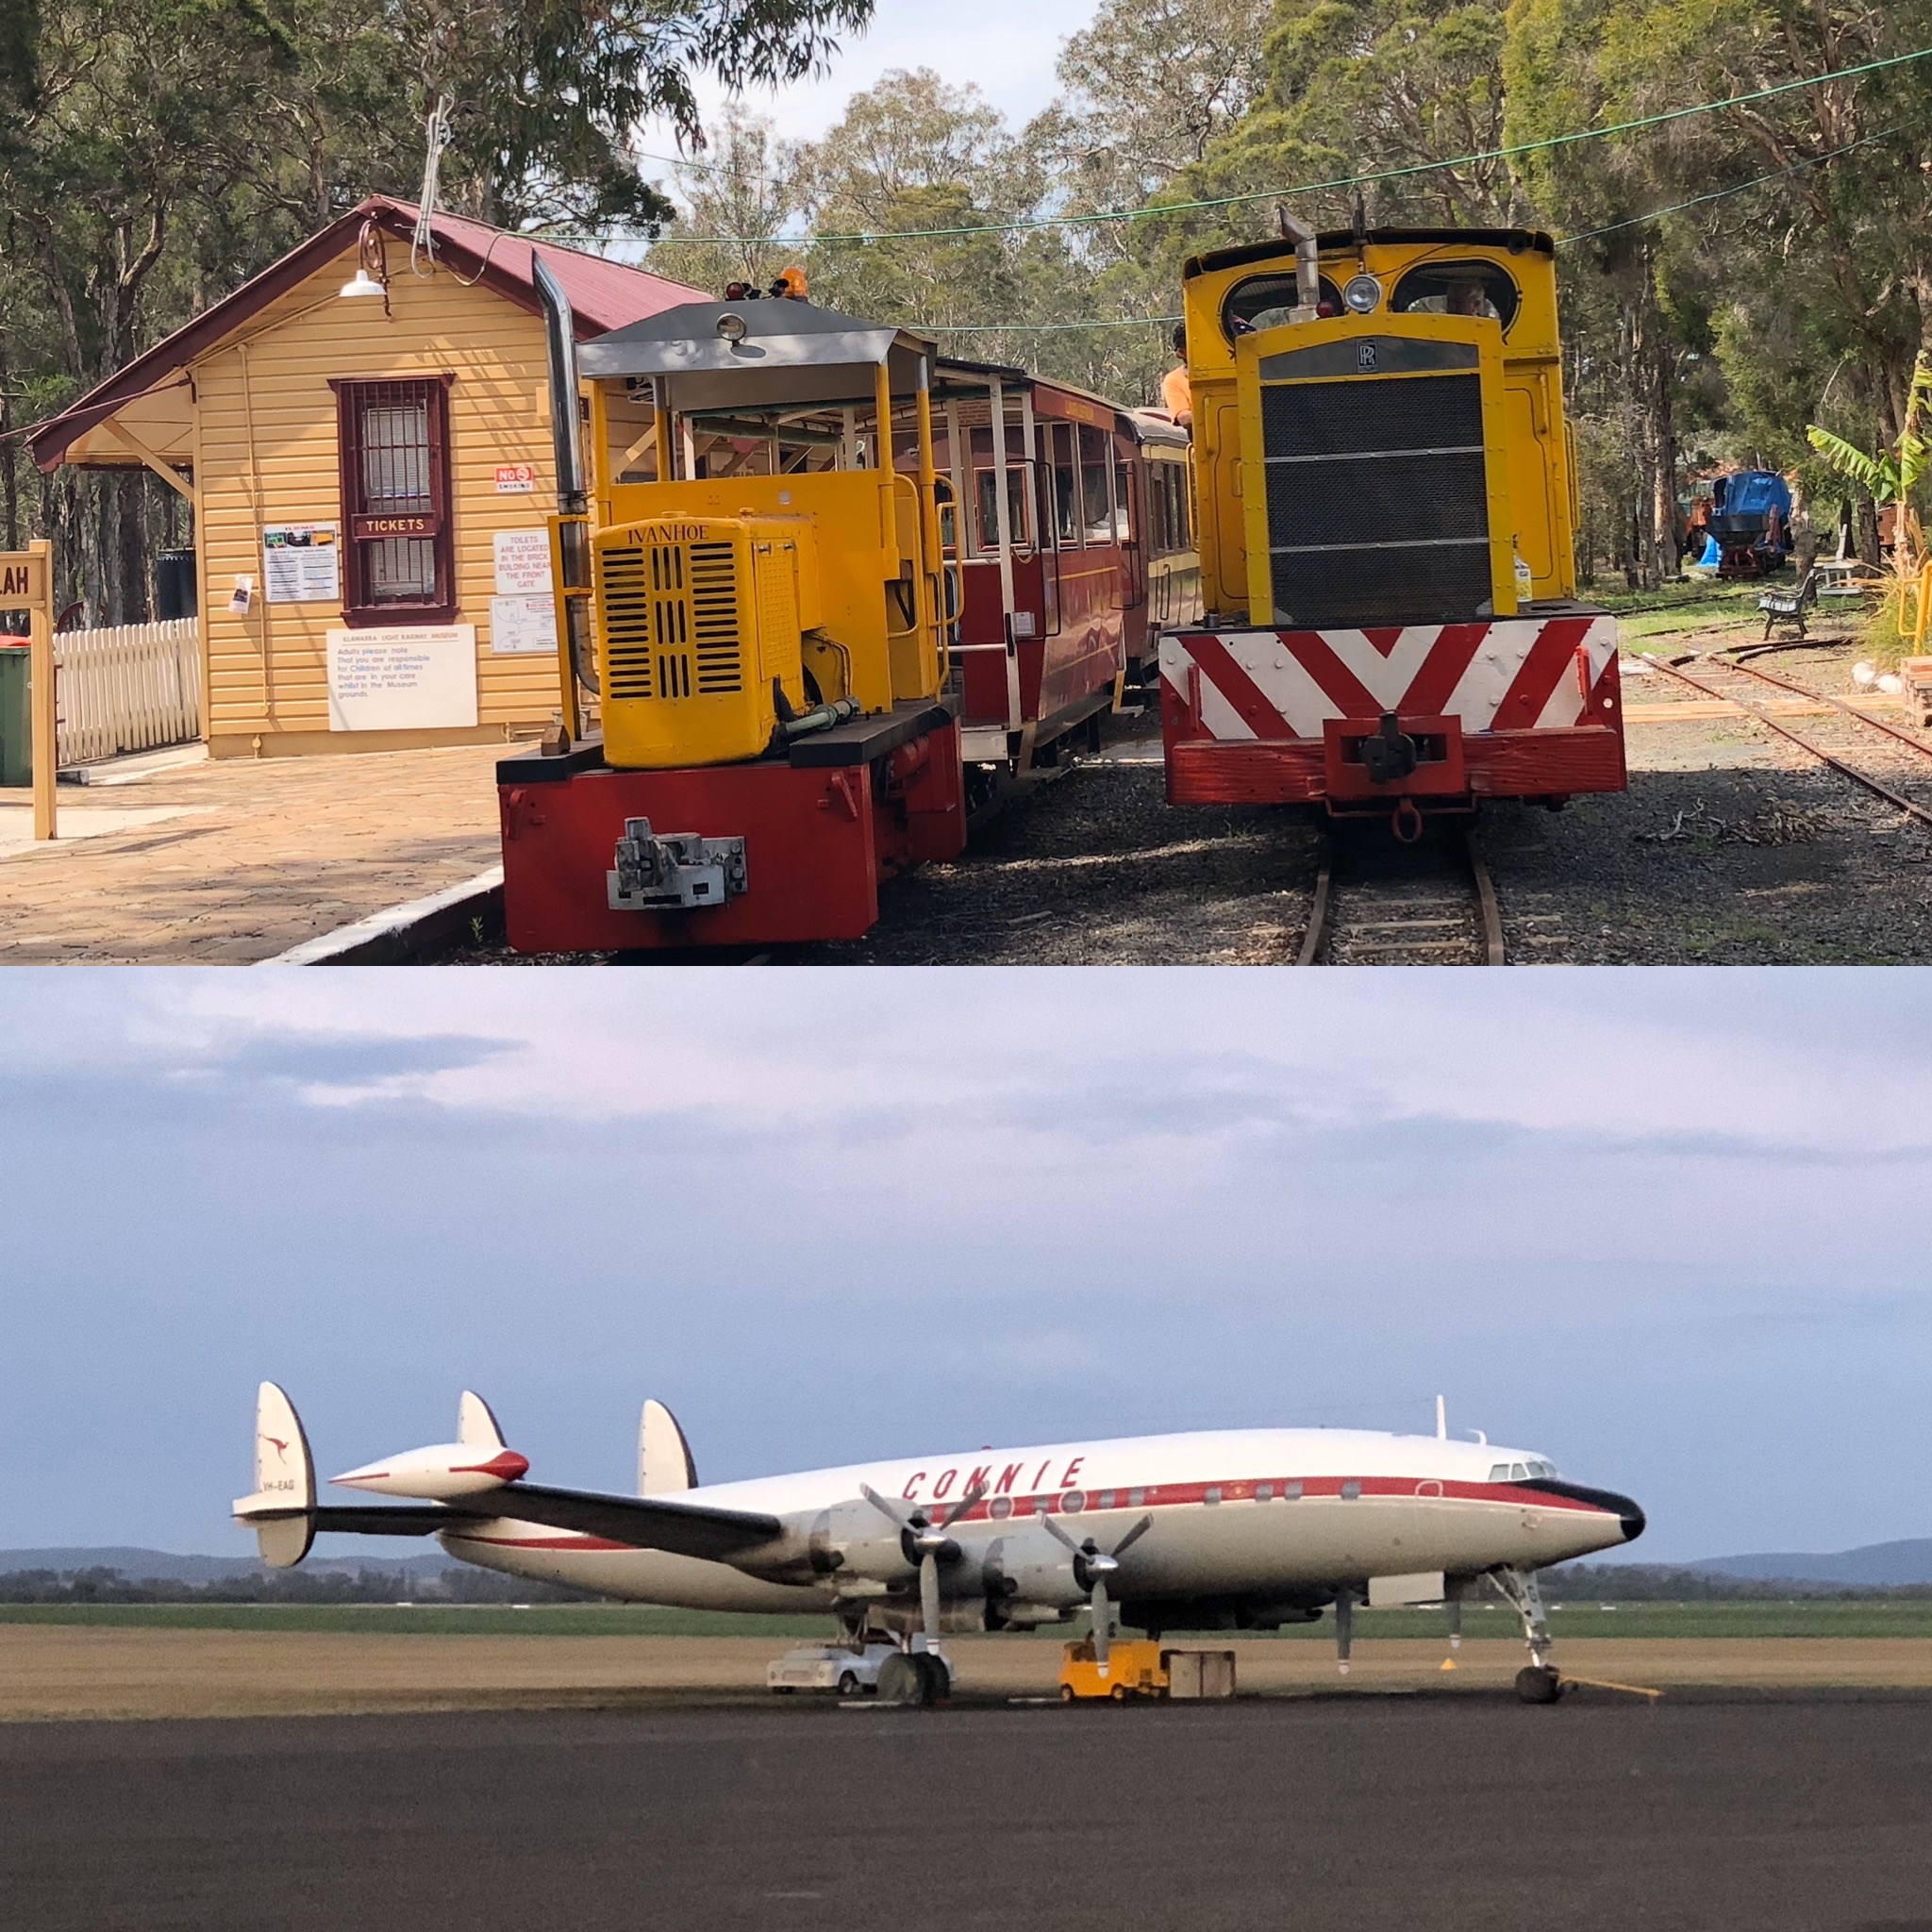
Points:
(1845, 742)
(1430, 904)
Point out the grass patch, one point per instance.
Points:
(1871, 1617)
(422, 1620)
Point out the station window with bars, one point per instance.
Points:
(398, 557)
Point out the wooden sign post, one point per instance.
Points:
(27, 583)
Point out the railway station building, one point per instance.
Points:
(363, 433)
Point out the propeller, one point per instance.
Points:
(1092, 1566)
(928, 1546)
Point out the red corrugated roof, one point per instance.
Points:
(604, 294)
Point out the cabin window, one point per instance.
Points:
(1351, 1491)
(1264, 1492)
(1135, 1497)
(1211, 1496)
(393, 445)
(1106, 1501)
(1072, 1503)
(1264, 301)
(1457, 288)
(1000, 1508)
(1291, 1492)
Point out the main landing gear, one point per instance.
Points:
(1540, 1681)
(915, 1676)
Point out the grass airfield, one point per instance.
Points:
(106, 1661)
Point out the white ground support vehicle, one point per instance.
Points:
(830, 1667)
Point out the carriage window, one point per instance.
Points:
(988, 507)
(1457, 288)
(1122, 513)
(1264, 302)
(1066, 483)
(1094, 490)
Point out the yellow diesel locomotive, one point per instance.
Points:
(1387, 497)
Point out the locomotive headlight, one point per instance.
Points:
(731, 328)
(1362, 295)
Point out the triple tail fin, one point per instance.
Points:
(476, 1423)
(665, 1464)
(282, 1510)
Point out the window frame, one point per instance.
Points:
(358, 610)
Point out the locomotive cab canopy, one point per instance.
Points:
(1393, 451)
(743, 564)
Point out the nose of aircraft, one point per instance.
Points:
(1629, 1514)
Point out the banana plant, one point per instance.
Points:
(1891, 474)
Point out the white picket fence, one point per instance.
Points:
(129, 689)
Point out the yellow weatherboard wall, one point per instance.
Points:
(1522, 398)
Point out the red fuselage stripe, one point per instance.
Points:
(1168, 1497)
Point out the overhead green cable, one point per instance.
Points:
(1034, 328)
(1174, 207)
(1655, 214)
(1677, 207)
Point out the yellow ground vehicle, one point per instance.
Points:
(1387, 497)
(1135, 1668)
(752, 595)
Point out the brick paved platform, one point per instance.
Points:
(234, 861)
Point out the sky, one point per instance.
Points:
(1660, 1227)
(1005, 47)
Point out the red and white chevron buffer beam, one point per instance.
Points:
(1511, 707)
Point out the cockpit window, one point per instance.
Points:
(1457, 288)
(1519, 1472)
(1500, 1473)
(1264, 301)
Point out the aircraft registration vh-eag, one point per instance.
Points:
(1211, 1529)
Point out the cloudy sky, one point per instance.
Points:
(1005, 47)
(1665, 1228)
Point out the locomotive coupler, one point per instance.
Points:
(1391, 754)
(674, 870)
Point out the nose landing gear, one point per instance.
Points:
(1539, 1682)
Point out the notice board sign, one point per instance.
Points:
(404, 678)
(523, 562)
(301, 564)
(523, 626)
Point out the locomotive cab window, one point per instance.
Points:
(1457, 288)
(394, 446)
(1265, 301)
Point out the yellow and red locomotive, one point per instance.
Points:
(1385, 491)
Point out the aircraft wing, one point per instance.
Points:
(642, 1522)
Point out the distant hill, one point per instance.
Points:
(1873, 1566)
(163, 1566)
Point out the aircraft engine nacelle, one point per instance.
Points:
(1029, 1578)
(854, 1539)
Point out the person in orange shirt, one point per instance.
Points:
(1177, 392)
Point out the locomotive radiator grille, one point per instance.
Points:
(714, 616)
(624, 601)
(670, 620)
(1378, 500)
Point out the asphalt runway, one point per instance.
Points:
(1359, 1812)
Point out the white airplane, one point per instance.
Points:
(1218, 1529)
